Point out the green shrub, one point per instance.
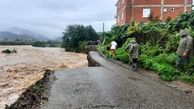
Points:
(121, 55)
(82, 45)
(103, 49)
(147, 63)
(166, 58)
(160, 65)
(124, 46)
(151, 50)
(190, 67)
(187, 78)
(167, 72)
(173, 41)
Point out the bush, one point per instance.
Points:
(166, 58)
(160, 64)
(82, 45)
(146, 61)
(190, 67)
(173, 41)
(151, 50)
(166, 72)
(103, 49)
(187, 78)
(124, 46)
(121, 55)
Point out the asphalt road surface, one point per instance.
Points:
(110, 86)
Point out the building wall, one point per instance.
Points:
(138, 14)
(172, 13)
(120, 10)
(170, 2)
(128, 15)
(172, 9)
(147, 2)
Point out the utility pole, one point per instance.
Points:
(103, 36)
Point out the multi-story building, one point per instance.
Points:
(141, 10)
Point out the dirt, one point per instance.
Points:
(21, 70)
(35, 95)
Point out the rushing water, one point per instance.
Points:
(20, 70)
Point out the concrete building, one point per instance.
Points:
(141, 10)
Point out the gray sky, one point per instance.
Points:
(50, 17)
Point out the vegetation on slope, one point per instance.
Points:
(159, 41)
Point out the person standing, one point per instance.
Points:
(184, 50)
(113, 47)
(133, 50)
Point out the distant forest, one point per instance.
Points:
(33, 43)
(15, 43)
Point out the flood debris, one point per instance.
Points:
(8, 51)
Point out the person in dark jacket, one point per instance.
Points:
(133, 50)
(185, 49)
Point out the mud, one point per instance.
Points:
(35, 95)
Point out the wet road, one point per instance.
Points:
(110, 86)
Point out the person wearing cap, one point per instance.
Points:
(133, 50)
(184, 49)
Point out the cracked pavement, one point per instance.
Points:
(110, 86)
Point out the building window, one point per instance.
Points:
(146, 12)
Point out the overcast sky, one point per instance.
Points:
(50, 17)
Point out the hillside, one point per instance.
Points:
(17, 34)
(8, 36)
(25, 32)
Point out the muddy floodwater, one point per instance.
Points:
(20, 70)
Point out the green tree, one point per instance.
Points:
(75, 35)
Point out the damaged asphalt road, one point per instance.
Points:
(110, 86)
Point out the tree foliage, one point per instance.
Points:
(46, 44)
(75, 37)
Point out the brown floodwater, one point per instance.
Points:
(20, 70)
